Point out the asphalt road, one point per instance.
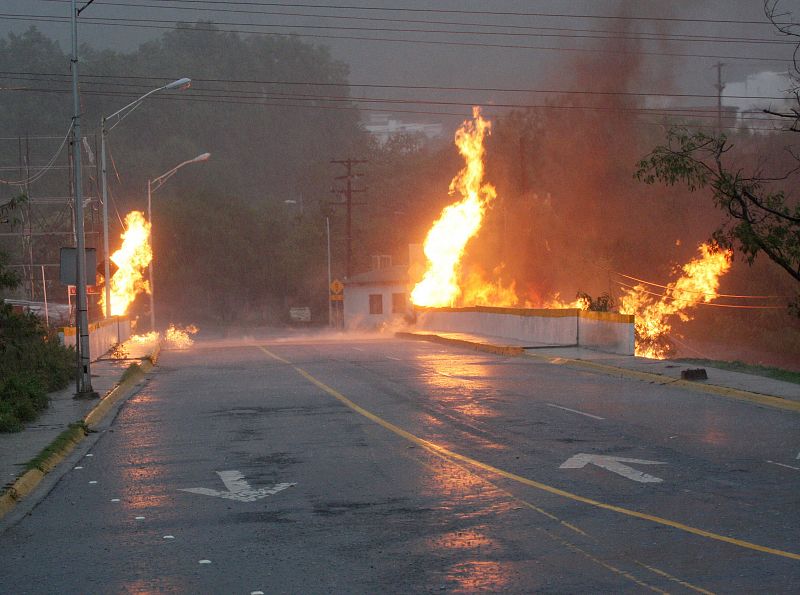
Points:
(370, 466)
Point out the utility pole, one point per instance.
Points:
(84, 380)
(348, 194)
(720, 88)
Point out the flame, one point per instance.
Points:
(131, 259)
(556, 303)
(177, 338)
(476, 290)
(698, 284)
(146, 339)
(459, 222)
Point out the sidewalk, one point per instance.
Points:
(748, 387)
(16, 449)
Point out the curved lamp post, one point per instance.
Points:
(153, 185)
(180, 84)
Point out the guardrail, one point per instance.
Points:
(103, 335)
(569, 327)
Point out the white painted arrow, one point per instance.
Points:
(613, 464)
(238, 488)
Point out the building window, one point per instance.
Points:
(398, 303)
(375, 303)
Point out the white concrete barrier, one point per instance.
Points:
(603, 331)
(606, 331)
(103, 335)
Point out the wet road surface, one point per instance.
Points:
(371, 466)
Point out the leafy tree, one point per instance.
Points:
(8, 279)
(762, 215)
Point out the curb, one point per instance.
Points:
(511, 350)
(712, 389)
(72, 436)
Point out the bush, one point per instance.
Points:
(32, 363)
(22, 398)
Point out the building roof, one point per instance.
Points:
(394, 275)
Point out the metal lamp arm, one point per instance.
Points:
(131, 106)
(158, 182)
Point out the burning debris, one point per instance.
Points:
(131, 259)
(697, 285)
(177, 338)
(174, 338)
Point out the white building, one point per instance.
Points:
(377, 299)
(383, 128)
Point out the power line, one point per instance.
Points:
(474, 12)
(32, 77)
(267, 102)
(694, 303)
(672, 288)
(44, 169)
(215, 28)
(723, 295)
(390, 103)
(601, 33)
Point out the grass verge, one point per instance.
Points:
(737, 366)
(73, 434)
(134, 368)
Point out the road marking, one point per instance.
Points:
(238, 488)
(397, 359)
(613, 464)
(782, 465)
(530, 482)
(358, 348)
(575, 411)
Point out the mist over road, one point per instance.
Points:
(376, 465)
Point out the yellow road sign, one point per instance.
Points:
(337, 286)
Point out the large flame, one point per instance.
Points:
(698, 284)
(460, 221)
(131, 259)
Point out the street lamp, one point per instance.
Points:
(153, 185)
(180, 84)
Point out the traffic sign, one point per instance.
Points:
(337, 297)
(337, 286)
(90, 290)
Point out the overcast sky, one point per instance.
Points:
(468, 42)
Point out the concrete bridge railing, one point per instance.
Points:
(569, 327)
(103, 335)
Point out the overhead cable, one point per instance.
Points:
(214, 28)
(44, 169)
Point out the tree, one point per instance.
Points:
(790, 29)
(762, 215)
(8, 279)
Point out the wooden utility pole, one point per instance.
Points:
(720, 88)
(348, 195)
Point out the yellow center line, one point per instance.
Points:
(530, 482)
(578, 530)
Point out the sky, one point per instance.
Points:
(528, 45)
